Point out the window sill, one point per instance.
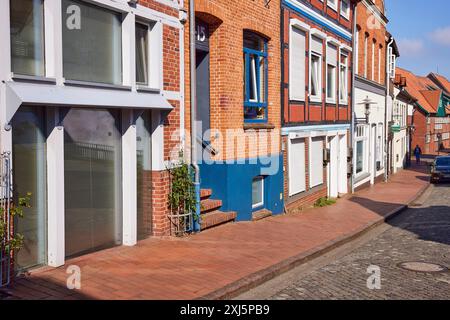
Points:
(147, 89)
(361, 176)
(39, 79)
(258, 126)
(98, 85)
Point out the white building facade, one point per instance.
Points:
(82, 104)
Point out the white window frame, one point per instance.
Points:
(321, 35)
(346, 55)
(259, 204)
(345, 14)
(53, 23)
(363, 129)
(379, 63)
(337, 45)
(295, 23)
(373, 60)
(332, 4)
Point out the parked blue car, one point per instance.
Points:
(440, 169)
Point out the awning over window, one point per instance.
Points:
(18, 93)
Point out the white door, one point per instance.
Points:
(333, 175)
(342, 167)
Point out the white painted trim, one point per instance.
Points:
(5, 47)
(154, 15)
(346, 48)
(129, 178)
(181, 93)
(170, 3)
(172, 95)
(55, 195)
(334, 41)
(129, 51)
(319, 17)
(318, 33)
(157, 141)
(299, 24)
(375, 12)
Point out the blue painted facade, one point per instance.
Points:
(232, 183)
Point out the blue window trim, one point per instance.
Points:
(247, 102)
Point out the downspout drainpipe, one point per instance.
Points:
(386, 129)
(352, 127)
(193, 81)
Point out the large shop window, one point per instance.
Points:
(29, 150)
(255, 73)
(297, 175)
(27, 37)
(92, 179)
(92, 48)
(258, 192)
(297, 65)
(331, 73)
(316, 69)
(316, 162)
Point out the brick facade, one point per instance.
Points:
(307, 112)
(375, 31)
(227, 21)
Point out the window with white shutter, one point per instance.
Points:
(297, 63)
(316, 162)
(297, 177)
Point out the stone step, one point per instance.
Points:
(215, 218)
(261, 214)
(205, 193)
(207, 205)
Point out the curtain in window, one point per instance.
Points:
(314, 76)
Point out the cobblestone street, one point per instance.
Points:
(418, 234)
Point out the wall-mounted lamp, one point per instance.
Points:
(367, 103)
(133, 2)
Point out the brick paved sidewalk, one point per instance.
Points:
(217, 262)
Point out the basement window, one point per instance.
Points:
(258, 192)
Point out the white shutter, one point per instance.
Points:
(316, 165)
(297, 65)
(331, 55)
(297, 178)
(316, 45)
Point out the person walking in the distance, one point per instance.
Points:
(417, 153)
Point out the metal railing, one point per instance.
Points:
(5, 212)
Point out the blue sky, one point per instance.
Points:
(422, 31)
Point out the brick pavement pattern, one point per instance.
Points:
(418, 234)
(192, 267)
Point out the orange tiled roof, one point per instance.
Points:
(443, 81)
(423, 89)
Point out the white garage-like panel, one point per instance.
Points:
(297, 177)
(316, 162)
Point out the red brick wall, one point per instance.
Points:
(227, 22)
(297, 112)
(376, 31)
(423, 128)
(159, 181)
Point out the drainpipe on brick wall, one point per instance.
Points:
(352, 127)
(193, 82)
(386, 123)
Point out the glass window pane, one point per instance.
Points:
(144, 176)
(257, 192)
(254, 113)
(29, 159)
(330, 81)
(92, 45)
(359, 156)
(92, 174)
(27, 37)
(141, 54)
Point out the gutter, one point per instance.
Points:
(386, 128)
(352, 114)
(193, 82)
